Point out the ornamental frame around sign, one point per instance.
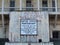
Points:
(30, 34)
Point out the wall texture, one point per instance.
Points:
(43, 25)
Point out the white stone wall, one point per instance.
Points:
(14, 27)
(43, 25)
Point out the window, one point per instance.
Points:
(29, 5)
(53, 4)
(12, 5)
(44, 4)
(56, 34)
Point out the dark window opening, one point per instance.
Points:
(55, 34)
(44, 4)
(40, 40)
(28, 1)
(53, 4)
(29, 5)
(12, 5)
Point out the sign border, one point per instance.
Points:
(29, 34)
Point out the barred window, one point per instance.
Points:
(29, 5)
(44, 3)
(12, 4)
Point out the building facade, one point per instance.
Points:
(30, 21)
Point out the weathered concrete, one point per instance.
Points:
(30, 43)
(16, 43)
(43, 25)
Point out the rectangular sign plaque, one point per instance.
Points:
(28, 27)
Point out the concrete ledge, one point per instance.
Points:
(16, 43)
(42, 43)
